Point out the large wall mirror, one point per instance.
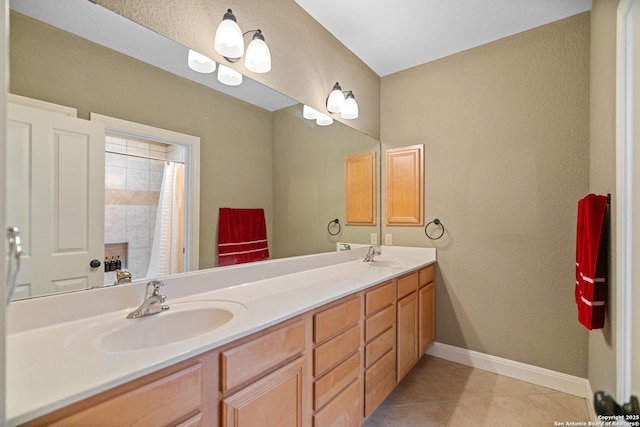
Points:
(255, 148)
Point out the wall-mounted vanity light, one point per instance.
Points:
(337, 103)
(321, 119)
(201, 63)
(229, 42)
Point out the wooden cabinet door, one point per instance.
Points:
(276, 400)
(407, 346)
(426, 300)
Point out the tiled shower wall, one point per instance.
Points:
(132, 189)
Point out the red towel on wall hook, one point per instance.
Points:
(592, 240)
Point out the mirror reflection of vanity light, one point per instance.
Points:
(201, 63)
(309, 113)
(323, 119)
(228, 76)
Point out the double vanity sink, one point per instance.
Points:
(66, 348)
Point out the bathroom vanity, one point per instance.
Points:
(321, 344)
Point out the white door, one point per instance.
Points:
(55, 196)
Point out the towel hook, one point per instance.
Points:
(436, 222)
(334, 221)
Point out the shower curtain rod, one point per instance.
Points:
(142, 157)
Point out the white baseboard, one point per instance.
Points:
(533, 374)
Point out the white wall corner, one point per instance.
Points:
(559, 381)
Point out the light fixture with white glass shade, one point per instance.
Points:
(228, 41)
(201, 63)
(258, 57)
(229, 76)
(335, 101)
(350, 107)
(338, 103)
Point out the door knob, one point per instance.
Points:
(94, 263)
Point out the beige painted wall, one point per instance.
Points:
(506, 134)
(309, 182)
(602, 176)
(236, 137)
(306, 59)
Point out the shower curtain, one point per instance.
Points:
(167, 250)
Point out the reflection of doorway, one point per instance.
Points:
(144, 197)
(143, 167)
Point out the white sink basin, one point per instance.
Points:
(386, 264)
(181, 322)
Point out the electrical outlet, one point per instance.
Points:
(388, 239)
(374, 238)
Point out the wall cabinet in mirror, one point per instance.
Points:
(405, 185)
(360, 188)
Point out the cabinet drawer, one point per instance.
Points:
(407, 284)
(376, 348)
(334, 320)
(333, 351)
(337, 379)
(379, 298)
(242, 363)
(343, 411)
(379, 381)
(379, 323)
(427, 274)
(161, 402)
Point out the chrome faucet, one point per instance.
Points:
(153, 302)
(371, 253)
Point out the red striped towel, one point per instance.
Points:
(242, 236)
(591, 261)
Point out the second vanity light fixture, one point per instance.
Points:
(229, 42)
(337, 102)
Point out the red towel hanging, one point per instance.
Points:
(592, 260)
(242, 236)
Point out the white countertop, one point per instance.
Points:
(44, 372)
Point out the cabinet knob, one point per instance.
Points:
(94, 263)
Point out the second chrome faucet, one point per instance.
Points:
(153, 302)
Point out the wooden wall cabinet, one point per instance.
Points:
(360, 188)
(405, 185)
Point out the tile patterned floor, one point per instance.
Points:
(442, 393)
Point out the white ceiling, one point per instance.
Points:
(393, 36)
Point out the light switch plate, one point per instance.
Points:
(388, 239)
(374, 238)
